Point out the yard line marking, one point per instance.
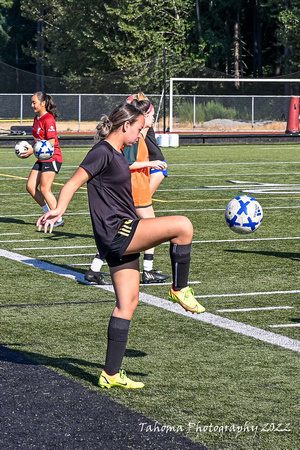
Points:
(217, 209)
(73, 265)
(234, 164)
(245, 240)
(164, 243)
(214, 175)
(285, 325)
(63, 256)
(39, 214)
(25, 178)
(85, 264)
(228, 324)
(240, 240)
(202, 200)
(54, 248)
(211, 319)
(244, 294)
(8, 234)
(264, 308)
(158, 210)
(22, 240)
(178, 164)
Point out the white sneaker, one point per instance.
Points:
(59, 223)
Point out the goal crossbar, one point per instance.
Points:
(225, 80)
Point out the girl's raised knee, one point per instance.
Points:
(186, 227)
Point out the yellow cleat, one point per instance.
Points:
(185, 297)
(119, 379)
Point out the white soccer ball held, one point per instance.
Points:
(243, 214)
(21, 148)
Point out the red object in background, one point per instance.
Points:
(293, 120)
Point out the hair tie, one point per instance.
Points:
(129, 99)
(150, 109)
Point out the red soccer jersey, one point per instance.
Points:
(44, 128)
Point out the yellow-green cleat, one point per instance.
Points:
(185, 297)
(119, 379)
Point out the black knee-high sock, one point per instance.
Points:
(117, 335)
(180, 260)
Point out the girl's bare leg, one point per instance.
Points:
(46, 181)
(149, 275)
(31, 186)
(146, 213)
(126, 280)
(152, 232)
(179, 231)
(155, 179)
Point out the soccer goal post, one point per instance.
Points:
(247, 88)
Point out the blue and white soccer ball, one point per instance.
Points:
(243, 214)
(43, 150)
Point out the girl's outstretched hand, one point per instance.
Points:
(48, 220)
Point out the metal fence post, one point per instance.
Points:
(194, 120)
(21, 109)
(79, 112)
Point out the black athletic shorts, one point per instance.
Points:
(47, 166)
(121, 241)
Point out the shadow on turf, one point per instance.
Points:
(12, 220)
(59, 233)
(68, 365)
(288, 255)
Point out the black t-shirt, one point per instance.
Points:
(154, 150)
(109, 192)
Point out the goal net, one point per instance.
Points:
(230, 104)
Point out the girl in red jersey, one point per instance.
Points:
(43, 172)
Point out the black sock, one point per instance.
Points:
(117, 335)
(148, 257)
(180, 260)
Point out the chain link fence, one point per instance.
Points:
(191, 113)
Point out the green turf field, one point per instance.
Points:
(229, 380)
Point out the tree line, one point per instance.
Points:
(86, 40)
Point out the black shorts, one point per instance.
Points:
(121, 241)
(47, 166)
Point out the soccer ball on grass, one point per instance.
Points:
(20, 148)
(243, 214)
(43, 150)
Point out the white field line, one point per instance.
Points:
(285, 325)
(66, 256)
(264, 308)
(164, 243)
(245, 240)
(9, 234)
(55, 248)
(37, 215)
(73, 265)
(217, 209)
(250, 294)
(158, 211)
(214, 175)
(180, 164)
(200, 175)
(212, 319)
(254, 184)
(22, 240)
(235, 164)
(255, 187)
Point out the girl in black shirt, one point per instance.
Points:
(120, 235)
